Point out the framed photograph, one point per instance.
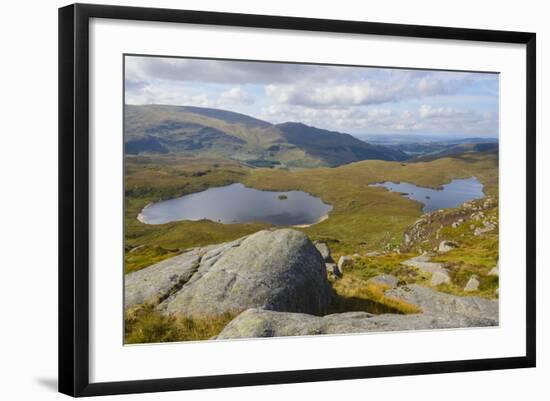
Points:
(251, 199)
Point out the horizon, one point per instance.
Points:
(360, 101)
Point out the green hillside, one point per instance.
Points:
(159, 129)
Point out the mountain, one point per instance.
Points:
(335, 147)
(458, 149)
(423, 149)
(214, 132)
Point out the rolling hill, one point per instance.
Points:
(213, 132)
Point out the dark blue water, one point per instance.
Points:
(452, 194)
(236, 203)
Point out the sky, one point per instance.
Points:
(355, 100)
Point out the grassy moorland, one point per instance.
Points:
(363, 218)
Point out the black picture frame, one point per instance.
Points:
(74, 198)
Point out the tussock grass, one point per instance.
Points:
(146, 325)
(353, 293)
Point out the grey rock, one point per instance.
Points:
(446, 246)
(472, 284)
(263, 323)
(494, 271)
(435, 302)
(345, 262)
(372, 254)
(277, 270)
(157, 282)
(487, 227)
(385, 279)
(478, 216)
(422, 262)
(440, 311)
(439, 277)
(324, 250)
(332, 270)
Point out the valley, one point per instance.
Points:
(370, 231)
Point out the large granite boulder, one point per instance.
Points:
(278, 270)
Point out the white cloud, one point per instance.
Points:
(338, 95)
(236, 94)
(347, 99)
(426, 119)
(158, 94)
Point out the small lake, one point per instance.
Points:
(450, 195)
(236, 203)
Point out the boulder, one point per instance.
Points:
(324, 250)
(494, 271)
(487, 227)
(385, 279)
(332, 270)
(345, 262)
(277, 270)
(472, 284)
(439, 277)
(446, 246)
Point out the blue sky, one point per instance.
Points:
(356, 100)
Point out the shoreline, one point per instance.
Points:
(140, 215)
(312, 224)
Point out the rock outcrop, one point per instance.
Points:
(384, 279)
(440, 275)
(446, 246)
(344, 263)
(276, 270)
(333, 271)
(439, 278)
(472, 284)
(157, 282)
(425, 232)
(434, 303)
(440, 311)
(324, 250)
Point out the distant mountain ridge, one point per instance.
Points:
(216, 132)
